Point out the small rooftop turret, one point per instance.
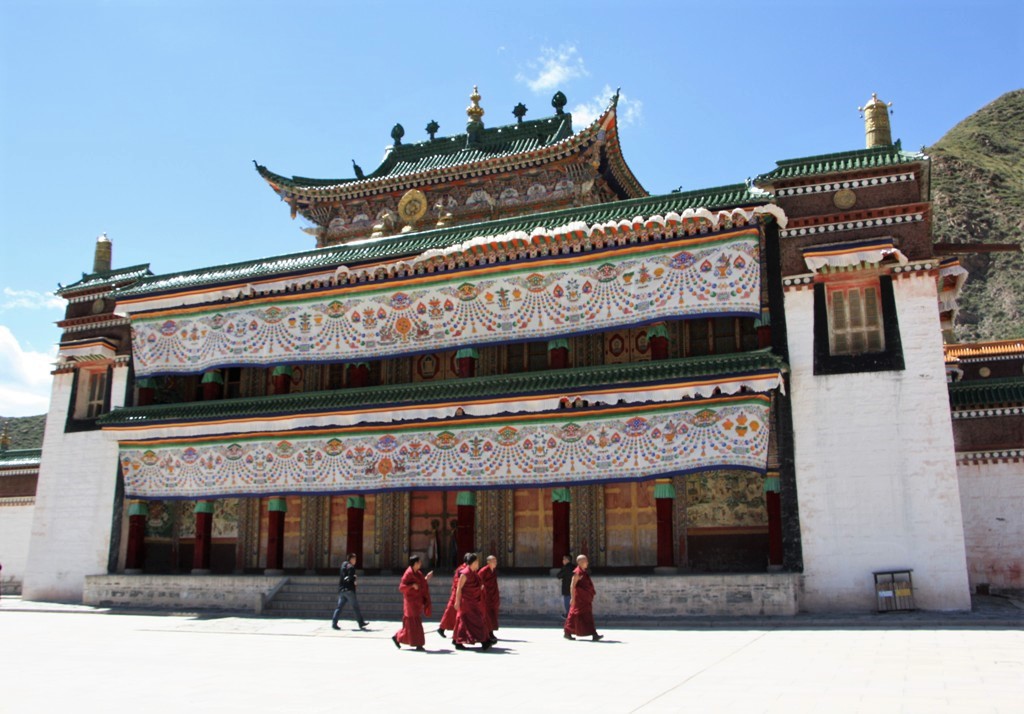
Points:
(876, 122)
(102, 257)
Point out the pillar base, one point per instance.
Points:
(273, 571)
(666, 570)
(199, 571)
(133, 571)
(774, 568)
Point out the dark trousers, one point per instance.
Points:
(345, 596)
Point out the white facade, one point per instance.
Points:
(992, 498)
(15, 524)
(875, 464)
(71, 525)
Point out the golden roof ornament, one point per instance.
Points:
(877, 130)
(474, 111)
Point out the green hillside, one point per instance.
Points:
(25, 432)
(978, 197)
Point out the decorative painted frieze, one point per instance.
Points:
(619, 443)
(544, 298)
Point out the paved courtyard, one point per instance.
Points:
(79, 659)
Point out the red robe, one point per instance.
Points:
(448, 617)
(470, 622)
(416, 604)
(580, 621)
(492, 597)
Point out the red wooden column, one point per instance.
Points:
(147, 390)
(763, 325)
(664, 495)
(560, 506)
(204, 533)
(213, 385)
(773, 505)
(465, 362)
(358, 375)
(558, 358)
(356, 511)
(465, 503)
(281, 380)
(275, 535)
(657, 338)
(135, 557)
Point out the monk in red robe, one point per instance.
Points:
(470, 621)
(448, 617)
(580, 621)
(492, 596)
(415, 587)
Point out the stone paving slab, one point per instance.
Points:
(160, 663)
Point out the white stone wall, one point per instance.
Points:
(875, 465)
(992, 499)
(15, 526)
(74, 501)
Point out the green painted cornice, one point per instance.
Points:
(575, 379)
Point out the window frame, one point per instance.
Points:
(890, 358)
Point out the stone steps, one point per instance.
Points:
(314, 597)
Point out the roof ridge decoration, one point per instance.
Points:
(558, 144)
(324, 266)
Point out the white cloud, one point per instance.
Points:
(554, 68)
(630, 111)
(25, 378)
(31, 300)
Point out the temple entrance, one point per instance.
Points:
(433, 523)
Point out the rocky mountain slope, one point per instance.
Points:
(978, 197)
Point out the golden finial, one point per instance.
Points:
(474, 111)
(876, 122)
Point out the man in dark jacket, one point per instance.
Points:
(347, 593)
(565, 575)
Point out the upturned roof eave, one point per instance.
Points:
(93, 281)
(381, 181)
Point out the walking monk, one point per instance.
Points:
(580, 621)
(415, 587)
(492, 596)
(470, 621)
(448, 616)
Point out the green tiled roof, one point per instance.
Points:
(107, 277)
(511, 385)
(412, 244)
(877, 157)
(986, 392)
(20, 458)
(448, 151)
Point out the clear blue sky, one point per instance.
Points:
(140, 118)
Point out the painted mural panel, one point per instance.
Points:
(725, 498)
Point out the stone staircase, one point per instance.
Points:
(314, 597)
